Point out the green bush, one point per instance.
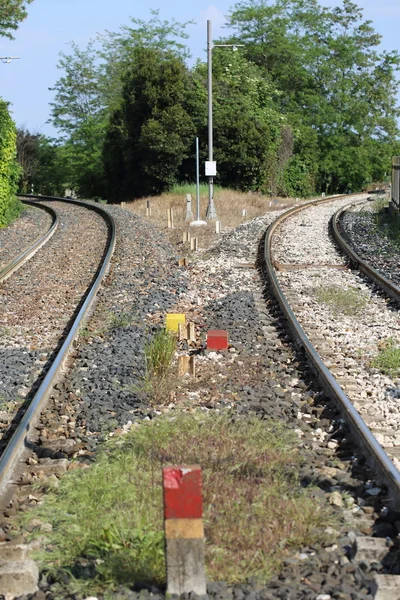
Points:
(10, 207)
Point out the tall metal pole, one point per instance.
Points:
(197, 179)
(211, 212)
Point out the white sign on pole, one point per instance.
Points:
(211, 168)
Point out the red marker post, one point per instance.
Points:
(184, 532)
(217, 339)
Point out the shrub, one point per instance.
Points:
(10, 207)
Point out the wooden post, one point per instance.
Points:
(186, 331)
(244, 213)
(183, 365)
(191, 332)
(217, 226)
(184, 532)
(170, 218)
(193, 244)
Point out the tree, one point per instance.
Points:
(247, 125)
(44, 164)
(150, 135)
(333, 82)
(9, 170)
(27, 157)
(12, 12)
(90, 90)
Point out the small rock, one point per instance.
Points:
(335, 499)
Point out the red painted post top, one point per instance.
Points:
(217, 339)
(182, 492)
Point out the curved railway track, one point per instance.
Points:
(361, 433)
(381, 281)
(31, 250)
(88, 360)
(21, 438)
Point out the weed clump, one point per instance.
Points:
(388, 359)
(348, 301)
(159, 353)
(107, 520)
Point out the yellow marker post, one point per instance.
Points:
(172, 321)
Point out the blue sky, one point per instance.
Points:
(51, 24)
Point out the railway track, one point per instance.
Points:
(296, 281)
(53, 291)
(262, 376)
(383, 282)
(30, 251)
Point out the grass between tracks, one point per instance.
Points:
(348, 301)
(388, 359)
(108, 520)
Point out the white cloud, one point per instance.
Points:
(214, 14)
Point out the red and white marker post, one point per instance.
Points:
(184, 532)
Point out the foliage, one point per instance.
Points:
(348, 301)
(332, 80)
(149, 136)
(89, 92)
(308, 104)
(43, 169)
(247, 124)
(12, 12)
(388, 359)
(108, 519)
(9, 171)
(159, 353)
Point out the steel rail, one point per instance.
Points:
(31, 250)
(383, 282)
(20, 439)
(386, 471)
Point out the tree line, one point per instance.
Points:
(12, 12)
(307, 105)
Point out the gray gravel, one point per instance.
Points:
(38, 301)
(108, 373)
(21, 234)
(373, 243)
(219, 291)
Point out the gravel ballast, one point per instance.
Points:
(38, 301)
(347, 342)
(260, 374)
(22, 233)
(371, 242)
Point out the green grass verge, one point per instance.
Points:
(348, 301)
(388, 359)
(108, 519)
(190, 188)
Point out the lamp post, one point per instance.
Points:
(211, 166)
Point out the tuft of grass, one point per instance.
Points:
(108, 519)
(159, 353)
(119, 320)
(388, 359)
(348, 301)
